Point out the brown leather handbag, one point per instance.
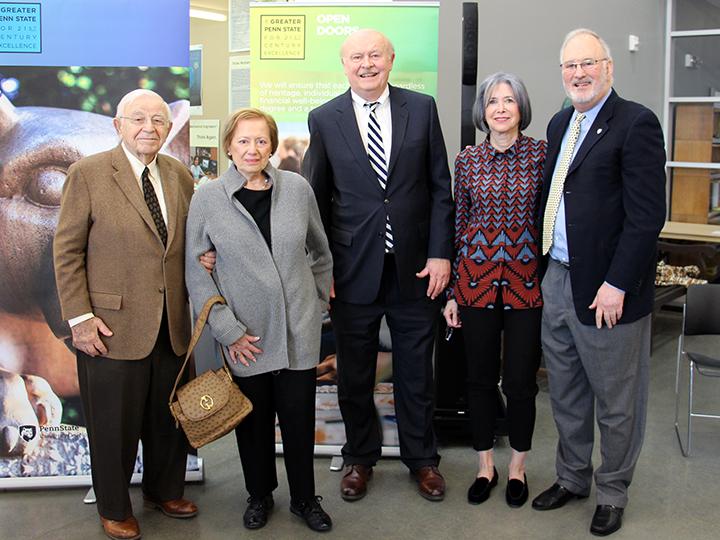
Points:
(211, 405)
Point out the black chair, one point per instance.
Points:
(699, 344)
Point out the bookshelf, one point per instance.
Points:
(695, 196)
(691, 120)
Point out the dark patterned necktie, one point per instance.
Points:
(153, 205)
(376, 155)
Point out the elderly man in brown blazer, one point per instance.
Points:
(119, 264)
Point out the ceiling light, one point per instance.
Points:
(207, 15)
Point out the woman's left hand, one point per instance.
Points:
(451, 314)
(243, 350)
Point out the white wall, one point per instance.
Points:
(524, 37)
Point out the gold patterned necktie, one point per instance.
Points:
(558, 181)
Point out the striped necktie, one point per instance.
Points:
(556, 187)
(376, 155)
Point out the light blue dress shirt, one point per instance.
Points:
(559, 247)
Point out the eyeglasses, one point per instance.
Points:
(587, 64)
(357, 58)
(138, 120)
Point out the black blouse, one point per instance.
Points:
(257, 203)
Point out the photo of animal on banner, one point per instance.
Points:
(51, 117)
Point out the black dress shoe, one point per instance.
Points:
(554, 497)
(313, 514)
(481, 488)
(607, 520)
(516, 492)
(257, 512)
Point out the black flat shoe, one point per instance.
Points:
(257, 512)
(516, 492)
(554, 497)
(607, 520)
(481, 488)
(313, 514)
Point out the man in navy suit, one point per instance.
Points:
(602, 209)
(378, 165)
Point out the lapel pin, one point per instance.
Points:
(599, 131)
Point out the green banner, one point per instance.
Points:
(295, 53)
(294, 67)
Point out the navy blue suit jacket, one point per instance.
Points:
(614, 204)
(353, 206)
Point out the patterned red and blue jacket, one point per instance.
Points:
(496, 236)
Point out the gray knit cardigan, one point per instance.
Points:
(278, 295)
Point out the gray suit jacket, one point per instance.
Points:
(278, 295)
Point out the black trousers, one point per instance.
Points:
(412, 324)
(290, 394)
(125, 401)
(520, 332)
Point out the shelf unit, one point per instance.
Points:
(692, 125)
(697, 127)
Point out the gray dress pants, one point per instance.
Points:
(594, 373)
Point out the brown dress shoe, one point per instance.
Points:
(127, 529)
(177, 508)
(431, 483)
(353, 485)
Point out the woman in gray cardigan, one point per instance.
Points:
(274, 269)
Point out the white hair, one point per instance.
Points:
(139, 92)
(586, 32)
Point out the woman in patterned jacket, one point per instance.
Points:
(495, 291)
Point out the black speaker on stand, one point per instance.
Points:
(469, 72)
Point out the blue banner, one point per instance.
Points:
(95, 33)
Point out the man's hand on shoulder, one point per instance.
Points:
(439, 272)
(86, 336)
(208, 260)
(608, 305)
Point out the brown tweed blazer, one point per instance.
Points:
(109, 258)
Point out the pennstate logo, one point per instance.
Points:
(206, 402)
(27, 432)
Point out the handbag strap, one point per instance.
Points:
(197, 332)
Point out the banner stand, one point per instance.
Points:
(30, 482)
(56, 104)
(334, 451)
(90, 497)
